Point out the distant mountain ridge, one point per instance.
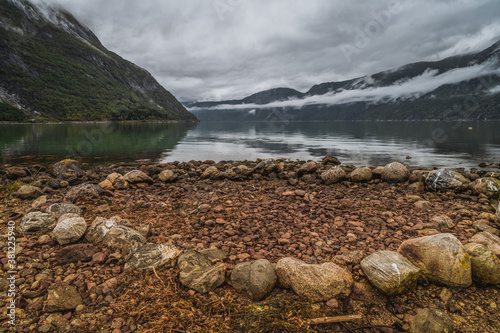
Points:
(54, 68)
(465, 86)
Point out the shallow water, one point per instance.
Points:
(431, 144)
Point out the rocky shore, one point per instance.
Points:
(250, 246)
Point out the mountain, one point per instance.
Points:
(465, 86)
(54, 68)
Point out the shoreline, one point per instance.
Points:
(249, 210)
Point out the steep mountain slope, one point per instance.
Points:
(53, 67)
(460, 87)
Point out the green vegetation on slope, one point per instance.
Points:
(59, 76)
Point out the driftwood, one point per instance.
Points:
(337, 319)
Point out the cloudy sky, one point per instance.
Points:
(228, 49)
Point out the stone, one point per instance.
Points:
(418, 176)
(363, 174)
(83, 192)
(417, 187)
(377, 172)
(488, 239)
(198, 273)
(137, 176)
(308, 178)
(330, 160)
(308, 167)
(444, 180)
(443, 221)
(210, 173)
(255, 279)
(430, 320)
(395, 172)
(317, 283)
(75, 252)
(54, 184)
(238, 173)
(114, 232)
(214, 254)
(167, 176)
(349, 258)
(62, 298)
(266, 167)
(488, 186)
(106, 185)
(69, 230)
(42, 200)
(37, 223)
(59, 209)
(149, 256)
(27, 192)
(423, 205)
(445, 295)
(441, 258)
(333, 175)
(67, 168)
(390, 272)
(44, 239)
(485, 264)
(117, 180)
(15, 173)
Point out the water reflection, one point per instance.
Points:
(89, 142)
(440, 144)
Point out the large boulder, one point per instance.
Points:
(27, 192)
(395, 172)
(485, 264)
(446, 180)
(441, 258)
(333, 175)
(153, 256)
(114, 232)
(488, 239)
(431, 320)
(317, 283)
(60, 209)
(83, 192)
(488, 186)
(67, 169)
(390, 272)
(37, 223)
(69, 229)
(62, 298)
(363, 174)
(198, 273)
(254, 279)
(137, 176)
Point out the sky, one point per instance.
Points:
(228, 49)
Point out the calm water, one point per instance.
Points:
(447, 144)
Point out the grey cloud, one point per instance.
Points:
(225, 49)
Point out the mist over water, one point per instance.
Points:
(429, 144)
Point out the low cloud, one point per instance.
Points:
(429, 81)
